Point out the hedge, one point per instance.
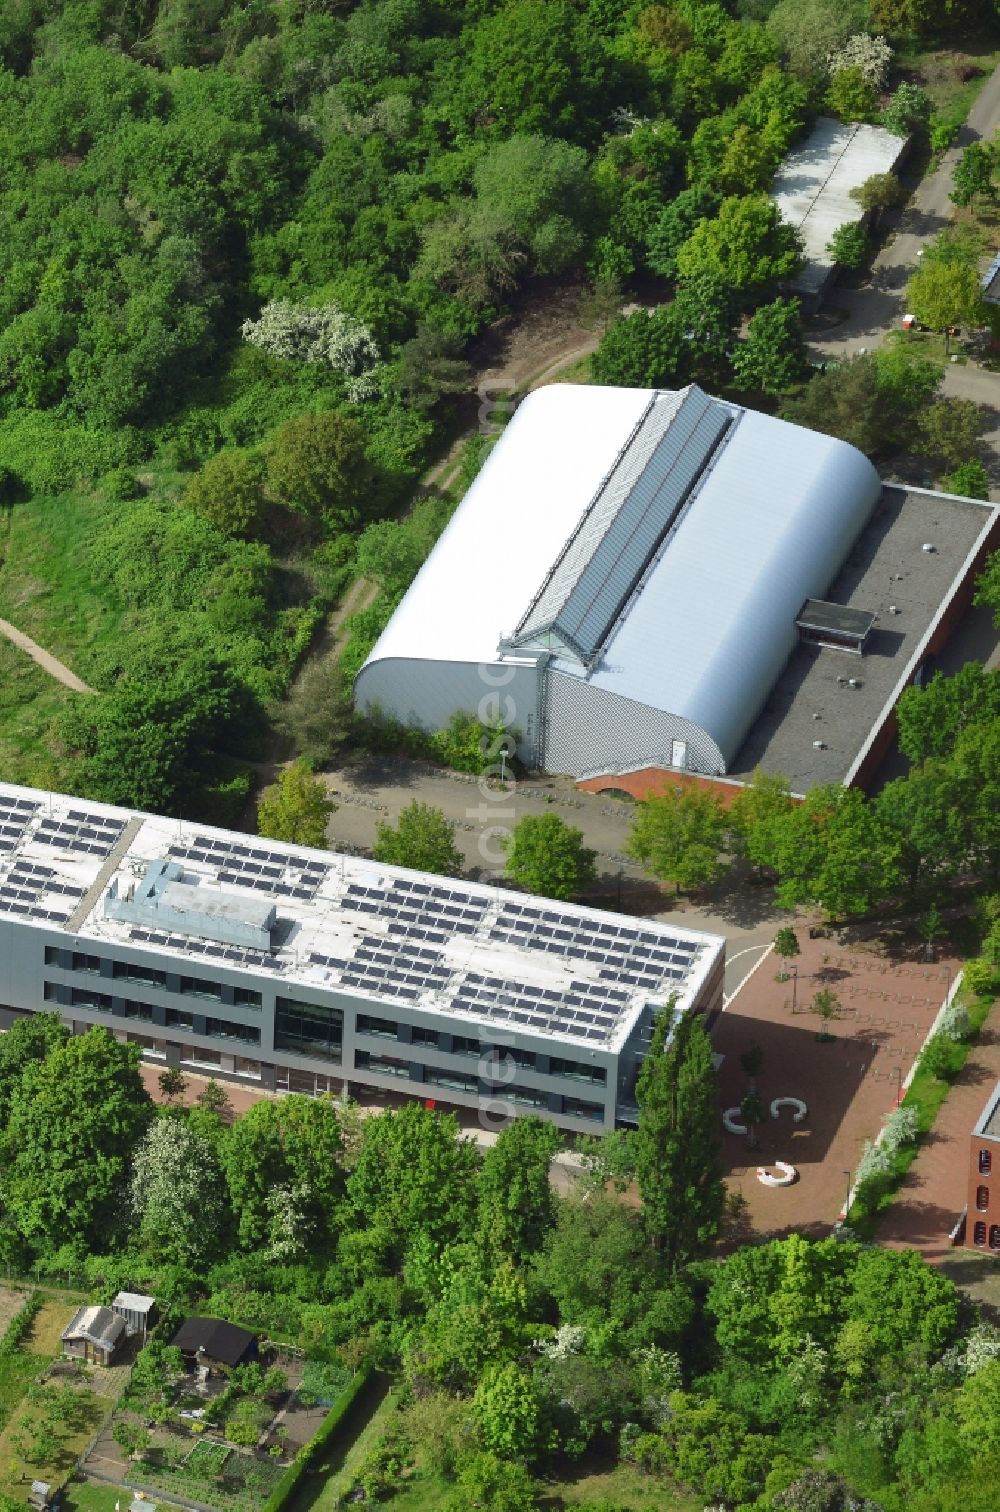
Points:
(302, 1463)
(19, 1324)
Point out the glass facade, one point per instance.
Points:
(382, 1065)
(577, 1070)
(225, 1029)
(379, 1028)
(201, 987)
(145, 975)
(308, 1029)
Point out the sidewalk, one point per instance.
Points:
(934, 1190)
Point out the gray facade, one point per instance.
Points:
(370, 978)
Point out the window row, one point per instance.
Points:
(457, 1081)
(982, 1199)
(985, 1162)
(173, 1018)
(383, 1028)
(151, 976)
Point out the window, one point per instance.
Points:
(382, 1065)
(379, 1028)
(50, 992)
(226, 1029)
(453, 1079)
(84, 997)
(574, 1108)
(148, 1046)
(995, 1236)
(194, 1055)
(577, 1070)
(244, 1067)
(462, 1045)
(425, 1036)
(131, 1009)
(201, 987)
(308, 1029)
(53, 955)
(979, 1234)
(502, 1056)
(82, 962)
(176, 1018)
(528, 1098)
(245, 997)
(982, 1199)
(985, 1162)
(128, 971)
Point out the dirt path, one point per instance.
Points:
(45, 659)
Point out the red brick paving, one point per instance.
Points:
(848, 1085)
(933, 1192)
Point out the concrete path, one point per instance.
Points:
(934, 1191)
(879, 307)
(45, 659)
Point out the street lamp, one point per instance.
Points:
(847, 1199)
(899, 1084)
(795, 982)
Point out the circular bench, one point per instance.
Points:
(786, 1174)
(790, 1102)
(731, 1121)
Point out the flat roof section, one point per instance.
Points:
(812, 699)
(837, 619)
(812, 188)
(463, 950)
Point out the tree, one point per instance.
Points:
(229, 491)
(786, 945)
(707, 312)
(752, 1113)
(677, 1143)
(514, 1190)
(766, 796)
(509, 1413)
(491, 1484)
(178, 1195)
(973, 174)
(215, 1100)
(908, 111)
(880, 191)
(646, 349)
(316, 714)
(296, 808)
(27, 1040)
(851, 96)
(547, 856)
(317, 334)
(773, 355)
(747, 246)
(431, 367)
(931, 718)
(75, 1119)
(317, 464)
(848, 245)
(132, 1437)
(952, 430)
(827, 1005)
(423, 838)
(675, 224)
(295, 1146)
(969, 481)
(868, 400)
(945, 290)
(871, 56)
(810, 30)
(678, 836)
(172, 1083)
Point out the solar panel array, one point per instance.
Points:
(87, 834)
(381, 966)
(271, 872)
(635, 956)
(420, 910)
(26, 884)
(589, 1010)
(233, 955)
(15, 816)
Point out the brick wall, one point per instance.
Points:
(982, 1226)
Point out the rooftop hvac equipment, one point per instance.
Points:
(928, 546)
(819, 745)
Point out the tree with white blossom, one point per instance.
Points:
(871, 56)
(318, 333)
(178, 1194)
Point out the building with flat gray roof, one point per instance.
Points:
(299, 970)
(812, 189)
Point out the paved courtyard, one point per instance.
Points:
(888, 1003)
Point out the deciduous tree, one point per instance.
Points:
(679, 835)
(514, 1190)
(423, 838)
(848, 245)
(746, 246)
(973, 174)
(296, 808)
(317, 464)
(773, 355)
(229, 491)
(547, 856)
(931, 718)
(952, 430)
(178, 1194)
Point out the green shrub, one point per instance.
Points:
(19, 1324)
(120, 485)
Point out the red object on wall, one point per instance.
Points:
(430, 1103)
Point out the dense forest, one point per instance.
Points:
(243, 251)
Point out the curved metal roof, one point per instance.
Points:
(710, 620)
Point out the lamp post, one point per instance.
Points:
(847, 1199)
(899, 1084)
(795, 983)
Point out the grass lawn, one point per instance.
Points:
(335, 1473)
(17, 1372)
(45, 1334)
(30, 700)
(624, 1486)
(81, 1496)
(70, 1440)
